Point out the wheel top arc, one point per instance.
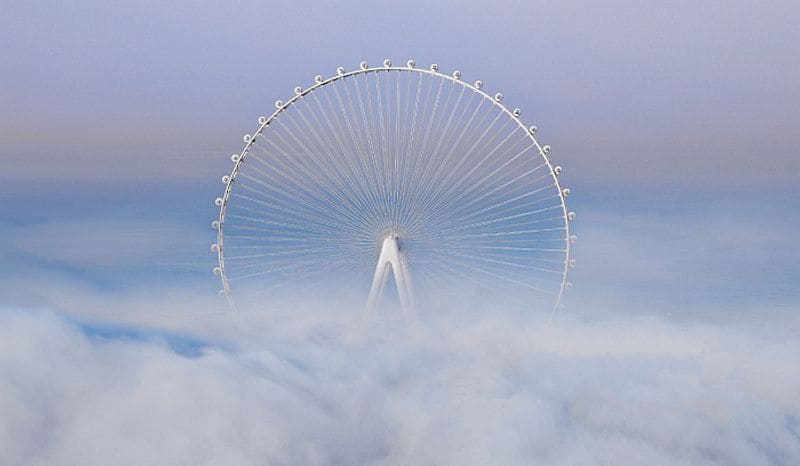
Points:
(341, 74)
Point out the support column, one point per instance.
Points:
(391, 258)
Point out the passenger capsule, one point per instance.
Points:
(411, 63)
(572, 239)
(298, 90)
(278, 103)
(235, 158)
(546, 150)
(318, 79)
(222, 293)
(340, 71)
(532, 129)
(572, 262)
(557, 170)
(215, 224)
(571, 215)
(216, 271)
(247, 138)
(225, 179)
(457, 74)
(363, 65)
(566, 192)
(215, 247)
(478, 84)
(218, 201)
(262, 120)
(387, 63)
(498, 97)
(434, 67)
(517, 112)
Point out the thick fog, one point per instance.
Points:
(320, 389)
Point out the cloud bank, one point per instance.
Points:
(317, 390)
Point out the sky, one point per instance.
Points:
(676, 123)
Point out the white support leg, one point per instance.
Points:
(391, 258)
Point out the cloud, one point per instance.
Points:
(311, 388)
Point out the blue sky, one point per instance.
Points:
(676, 123)
(668, 92)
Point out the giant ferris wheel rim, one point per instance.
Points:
(341, 73)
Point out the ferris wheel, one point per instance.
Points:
(396, 177)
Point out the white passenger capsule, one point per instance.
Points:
(571, 215)
(215, 224)
(457, 74)
(215, 247)
(218, 201)
(363, 65)
(572, 239)
(517, 112)
(216, 271)
(247, 138)
(572, 262)
(566, 192)
(278, 103)
(222, 293)
(387, 63)
(546, 150)
(318, 79)
(533, 129)
(340, 71)
(235, 158)
(262, 120)
(478, 84)
(557, 170)
(298, 90)
(434, 67)
(498, 97)
(225, 179)
(411, 63)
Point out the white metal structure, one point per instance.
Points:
(391, 259)
(408, 168)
